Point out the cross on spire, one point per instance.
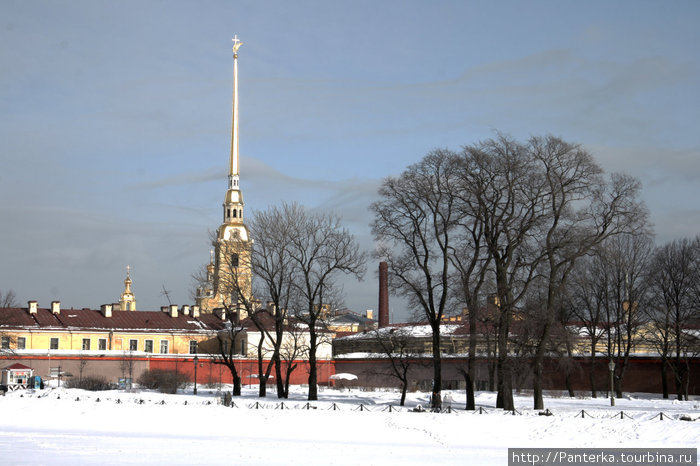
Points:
(236, 43)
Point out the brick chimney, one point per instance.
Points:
(56, 307)
(106, 310)
(195, 312)
(383, 294)
(32, 307)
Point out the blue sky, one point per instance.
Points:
(115, 118)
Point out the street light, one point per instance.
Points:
(611, 366)
(196, 362)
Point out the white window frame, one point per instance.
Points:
(164, 344)
(145, 346)
(133, 340)
(102, 344)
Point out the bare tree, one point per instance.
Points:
(580, 210)
(397, 344)
(293, 348)
(227, 347)
(470, 259)
(509, 197)
(8, 299)
(587, 303)
(274, 275)
(674, 306)
(320, 250)
(626, 260)
(414, 221)
(126, 365)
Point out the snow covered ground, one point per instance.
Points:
(60, 426)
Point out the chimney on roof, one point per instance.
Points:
(383, 294)
(56, 307)
(106, 310)
(220, 312)
(185, 309)
(173, 310)
(195, 312)
(31, 306)
(271, 306)
(164, 309)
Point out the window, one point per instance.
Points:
(102, 344)
(193, 347)
(243, 347)
(86, 343)
(5, 343)
(133, 345)
(21, 342)
(164, 346)
(148, 346)
(54, 343)
(234, 260)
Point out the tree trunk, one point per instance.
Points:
(278, 374)
(664, 377)
(504, 398)
(569, 386)
(404, 389)
(538, 399)
(591, 372)
(471, 403)
(236, 384)
(471, 375)
(436, 399)
(313, 373)
(492, 375)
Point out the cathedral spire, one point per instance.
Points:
(233, 163)
(228, 280)
(233, 203)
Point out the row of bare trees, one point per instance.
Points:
(505, 217)
(295, 263)
(631, 296)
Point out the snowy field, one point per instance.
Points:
(59, 426)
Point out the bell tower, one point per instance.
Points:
(230, 283)
(127, 301)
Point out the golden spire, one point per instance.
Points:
(233, 163)
(127, 301)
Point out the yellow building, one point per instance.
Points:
(172, 331)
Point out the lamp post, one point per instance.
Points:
(196, 362)
(611, 366)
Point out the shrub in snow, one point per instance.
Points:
(165, 381)
(92, 383)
